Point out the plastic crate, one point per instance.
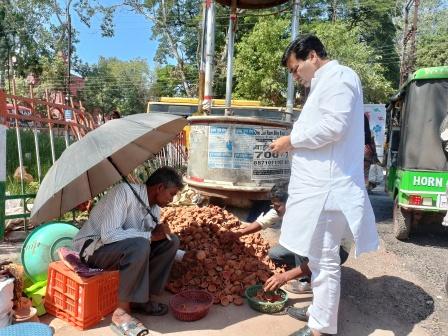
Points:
(82, 302)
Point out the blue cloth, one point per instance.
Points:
(27, 329)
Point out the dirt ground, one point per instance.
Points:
(398, 290)
(418, 294)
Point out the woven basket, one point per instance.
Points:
(191, 305)
(262, 306)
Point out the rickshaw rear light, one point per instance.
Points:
(415, 200)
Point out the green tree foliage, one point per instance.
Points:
(86, 10)
(29, 151)
(31, 29)
(52, 78)
(35, 32)
(116, 85)
(368, 28)
(176, 25)
(344, 45)
(247, 19)
(23, 34)
(257, 64)
(374, 21)
(167, 82)
(54, 72)
(432, 37)
(260, 75)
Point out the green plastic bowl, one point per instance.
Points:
(41, 246)
(265, 307)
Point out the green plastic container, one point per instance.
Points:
(37, 293)
(265, 307)
(41, 246)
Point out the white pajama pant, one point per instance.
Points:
(324, 263)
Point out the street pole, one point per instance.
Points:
(230, 52)
(414, 33)
(69, 49)
(202, 58)
(408, 61)
(404, 42)
(291, 88)
(209, 56)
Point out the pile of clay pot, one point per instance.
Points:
(221, 263)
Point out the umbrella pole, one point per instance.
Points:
(127, 182)
(137, 195)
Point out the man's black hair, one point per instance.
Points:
(168, 176)
(302, 46)
(280, 191)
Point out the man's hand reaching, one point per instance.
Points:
(275, 282)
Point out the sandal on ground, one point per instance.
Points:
(130, 328)
(149, 308)
(298, 313)
(298, 287)
(305, 331)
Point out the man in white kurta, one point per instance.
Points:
(326, 189)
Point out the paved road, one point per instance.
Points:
(405, 280)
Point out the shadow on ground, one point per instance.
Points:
(384, 303)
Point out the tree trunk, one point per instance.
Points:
(175, 51)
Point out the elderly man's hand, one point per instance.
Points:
(281, 145)
(158, 233)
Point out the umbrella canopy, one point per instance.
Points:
(84, 170)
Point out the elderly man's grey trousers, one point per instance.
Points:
(144, 267)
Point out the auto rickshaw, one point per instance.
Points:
(416, 159)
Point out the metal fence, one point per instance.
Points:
(44, 125)
(34, 133)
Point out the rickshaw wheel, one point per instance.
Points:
(402, 222)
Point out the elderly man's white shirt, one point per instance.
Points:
(327, 163)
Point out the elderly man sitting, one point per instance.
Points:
(123, 233)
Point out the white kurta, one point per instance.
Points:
(327, 162)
